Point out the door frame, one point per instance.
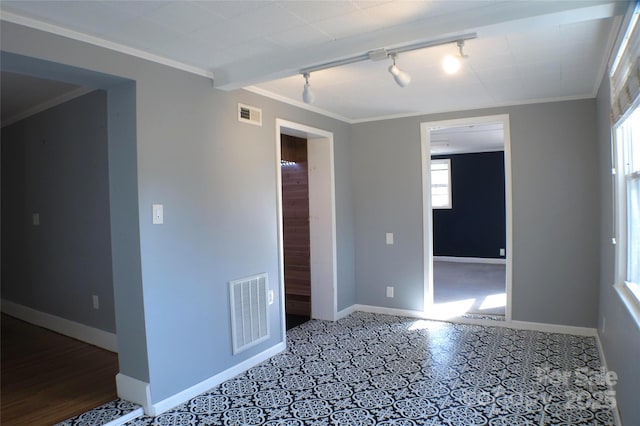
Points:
(425, 139)
(322, 218)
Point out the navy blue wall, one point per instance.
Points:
(475, 226)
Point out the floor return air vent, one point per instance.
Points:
(249, 313)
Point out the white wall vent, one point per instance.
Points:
(249, 313)
(249, 114)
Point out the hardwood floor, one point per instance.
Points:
(48, 377)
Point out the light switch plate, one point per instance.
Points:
(158, 214)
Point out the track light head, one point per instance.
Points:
(401, 77)
(451, 64)
(307, 95)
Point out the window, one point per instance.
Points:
(441, 184)
(625, 113)
(628, 190)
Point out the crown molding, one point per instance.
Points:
(50, 103)
(473, 108)
(292, 102)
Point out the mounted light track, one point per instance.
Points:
(401, 77)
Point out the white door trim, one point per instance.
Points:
(425, 139)
(322, 220)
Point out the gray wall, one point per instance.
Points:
(181, 145)
(217, 180)
(620, 335)
(555, 248)
(55, 164)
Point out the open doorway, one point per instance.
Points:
(295, 229)
(57, 276)
(467, 217)
(319, 299)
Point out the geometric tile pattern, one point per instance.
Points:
(372, 369)
(103, 415)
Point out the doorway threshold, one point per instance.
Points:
(484, 317)
(112, 413)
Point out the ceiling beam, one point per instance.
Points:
(488, 20)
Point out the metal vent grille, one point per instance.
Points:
(249, 114)
(249, 316)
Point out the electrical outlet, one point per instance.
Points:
(390, 291)
(158, 214)
(389, 238)
(36, 219)
(604, 324)
(502, 252)
(96, 302)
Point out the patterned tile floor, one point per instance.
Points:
(370, 369)
(105, 414)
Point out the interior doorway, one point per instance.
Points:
(48, 283)
(123, 214)
(322, 298)
(295, 229)
(467, 218)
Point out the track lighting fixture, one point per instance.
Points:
(452, 64)
(307, 95)
(401, 77)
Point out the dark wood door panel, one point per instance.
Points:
(295, 213)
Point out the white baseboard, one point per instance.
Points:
(134, 390)
(518, 325)
(345, 312)
(390, 311)
(553, 328)
(100, 338)
(617, 420)
(184, 396)
(487, 260)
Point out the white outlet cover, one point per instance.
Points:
(389, 238)
(389, 291)
(158, 214)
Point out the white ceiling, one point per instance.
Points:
(468, 138)
(526, 51)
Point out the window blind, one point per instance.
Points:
(625, 71)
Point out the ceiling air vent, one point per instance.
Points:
(249, 114)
